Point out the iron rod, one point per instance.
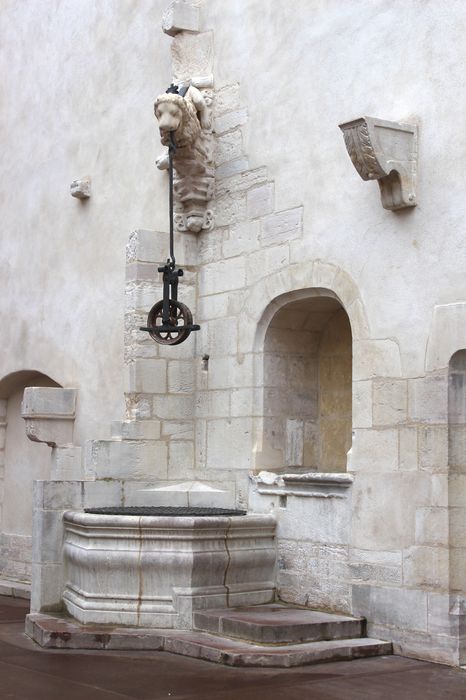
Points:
(171, 151)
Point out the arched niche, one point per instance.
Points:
(307, 385)
(21, 462)
(457, 471)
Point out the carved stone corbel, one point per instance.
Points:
(186, 112)
(387, 152)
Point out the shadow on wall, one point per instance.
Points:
(21, 462)
(307, 392)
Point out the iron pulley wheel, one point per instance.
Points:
(176, 330)
(169, 321)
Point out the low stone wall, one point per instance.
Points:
(15, 557)
(313, 514)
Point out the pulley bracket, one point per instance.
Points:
(170, 322)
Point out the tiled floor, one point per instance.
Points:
(30, 673)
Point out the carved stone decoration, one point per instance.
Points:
(187, 114)
(81, 189)
(387, 152)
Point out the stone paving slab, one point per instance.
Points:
(12, 609)
(276, 624)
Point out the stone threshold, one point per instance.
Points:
(57, 631)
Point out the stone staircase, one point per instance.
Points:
(274, 635)
(278, 635)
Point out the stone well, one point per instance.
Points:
(155, 571)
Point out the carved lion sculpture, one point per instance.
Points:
(188, 119)
(180, 115)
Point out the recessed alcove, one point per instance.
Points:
(307, 376)
(21, 462)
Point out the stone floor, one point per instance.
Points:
(28, 672)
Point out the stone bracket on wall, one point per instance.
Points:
(311, 484)
(49, 413)
(387, 152)
(180, 16)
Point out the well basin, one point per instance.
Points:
(156, 571)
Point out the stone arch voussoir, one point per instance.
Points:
(300, 281)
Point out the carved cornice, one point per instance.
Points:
(387, 152)
(306, 484)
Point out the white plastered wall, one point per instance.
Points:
(79, 80)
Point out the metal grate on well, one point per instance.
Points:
(172, 511)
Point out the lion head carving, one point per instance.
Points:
(177, 114)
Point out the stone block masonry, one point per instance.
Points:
(378, 542)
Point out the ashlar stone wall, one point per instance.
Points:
(307, 387)
(335, 393)
(293, 222)
(457, 471)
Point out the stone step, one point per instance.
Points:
(232, 652)
(57, 631)
(278, 624)
(15, 589)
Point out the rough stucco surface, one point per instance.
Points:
(333, 61)
(78, 84)
(78, 88)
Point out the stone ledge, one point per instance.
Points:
(310, 484)
(15, 589)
